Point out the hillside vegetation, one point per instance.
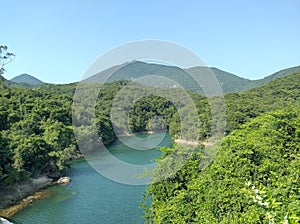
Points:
(36, 133)
(229, 82)
(36, 124)
(255, 176)
(36, 138)
(253, 179)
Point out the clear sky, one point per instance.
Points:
(57, 40)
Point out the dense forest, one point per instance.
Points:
(36, 132)
(36, 126)
(253, 179)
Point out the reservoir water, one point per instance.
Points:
(91, 198)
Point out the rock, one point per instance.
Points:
(12, 194)
(4, 221)
(64, 180)
(41, 182)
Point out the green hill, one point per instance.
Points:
(27, 79)
(253, 179)
(138, 69)
(255, 176)
(276, 75)
(277, 94)
(229, 83)
(36, 137)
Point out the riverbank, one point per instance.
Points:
(16, 197)
(93, 198)
(12, 210)
(193, 143)
(141, 132)
(185, 142)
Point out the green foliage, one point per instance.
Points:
(5, 58)
(38, 127)
(253, 179)
(278, 94)
(36, 124)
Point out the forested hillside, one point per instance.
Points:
(230, 83)
(36, 123)
(36, 133)
(277, 94)
(36, 127)
(255, 176)
(253, 179)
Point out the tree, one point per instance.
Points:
(5, 57)
(253, 179)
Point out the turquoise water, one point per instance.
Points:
(91, 198)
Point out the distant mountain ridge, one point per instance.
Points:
(27, 79)
(134, 70)
(229, 82)
(276, 75)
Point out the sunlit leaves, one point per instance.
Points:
(253, 179)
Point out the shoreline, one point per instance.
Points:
(193, 143)
(16, 197)
(185, 142)
(11, 210)
(140, 132)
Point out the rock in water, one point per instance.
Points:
(64, 180)
(4, 221)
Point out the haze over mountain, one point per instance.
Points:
(27, 79)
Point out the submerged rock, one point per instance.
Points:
(64, 180)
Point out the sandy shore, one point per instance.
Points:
(185, 142)
(192, 143)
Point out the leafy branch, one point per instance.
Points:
(5, 57)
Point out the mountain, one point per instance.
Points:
(27, 80)
(181, 77)
(252, 172)
(276, 75)
(229, 82)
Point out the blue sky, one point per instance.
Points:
(56, 41)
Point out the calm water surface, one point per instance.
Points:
(92, 198)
